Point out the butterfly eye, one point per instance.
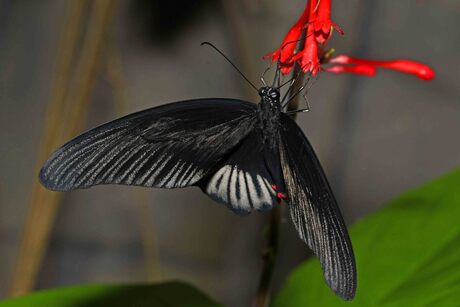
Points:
(274, 95)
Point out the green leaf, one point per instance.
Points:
(172, 294)
(408, 254)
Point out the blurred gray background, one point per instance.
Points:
(375, 137)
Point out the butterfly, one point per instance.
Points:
(247, 156)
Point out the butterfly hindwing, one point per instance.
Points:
(169, 146)
(314, 210)
(249, 179)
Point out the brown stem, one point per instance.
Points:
(145, 209)
(68, 98)
(269, 257)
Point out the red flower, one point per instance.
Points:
(285, 53)
(318, 26)
(316, 21)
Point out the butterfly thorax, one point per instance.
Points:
(268, 113)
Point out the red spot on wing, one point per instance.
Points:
(281, 195)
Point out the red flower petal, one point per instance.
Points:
(355, 69)
(422, 71)
(287, 68)
(418, 69)
(286, 51)
(322, 23)
(308, 58)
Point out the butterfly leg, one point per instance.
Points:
(307, 102)
(297, 111)
(307, 109)
(284, 104)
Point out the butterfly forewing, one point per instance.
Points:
(314, 210)
(170, 146)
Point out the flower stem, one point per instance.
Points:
(66, 112)
(269, 258)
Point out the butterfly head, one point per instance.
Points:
(268, 93)
(269, 106)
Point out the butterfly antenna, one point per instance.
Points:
(228, 60)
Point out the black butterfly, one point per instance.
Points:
(244, 155)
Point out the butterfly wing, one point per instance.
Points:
(314, 210)
(250, 178)
(169, 146)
